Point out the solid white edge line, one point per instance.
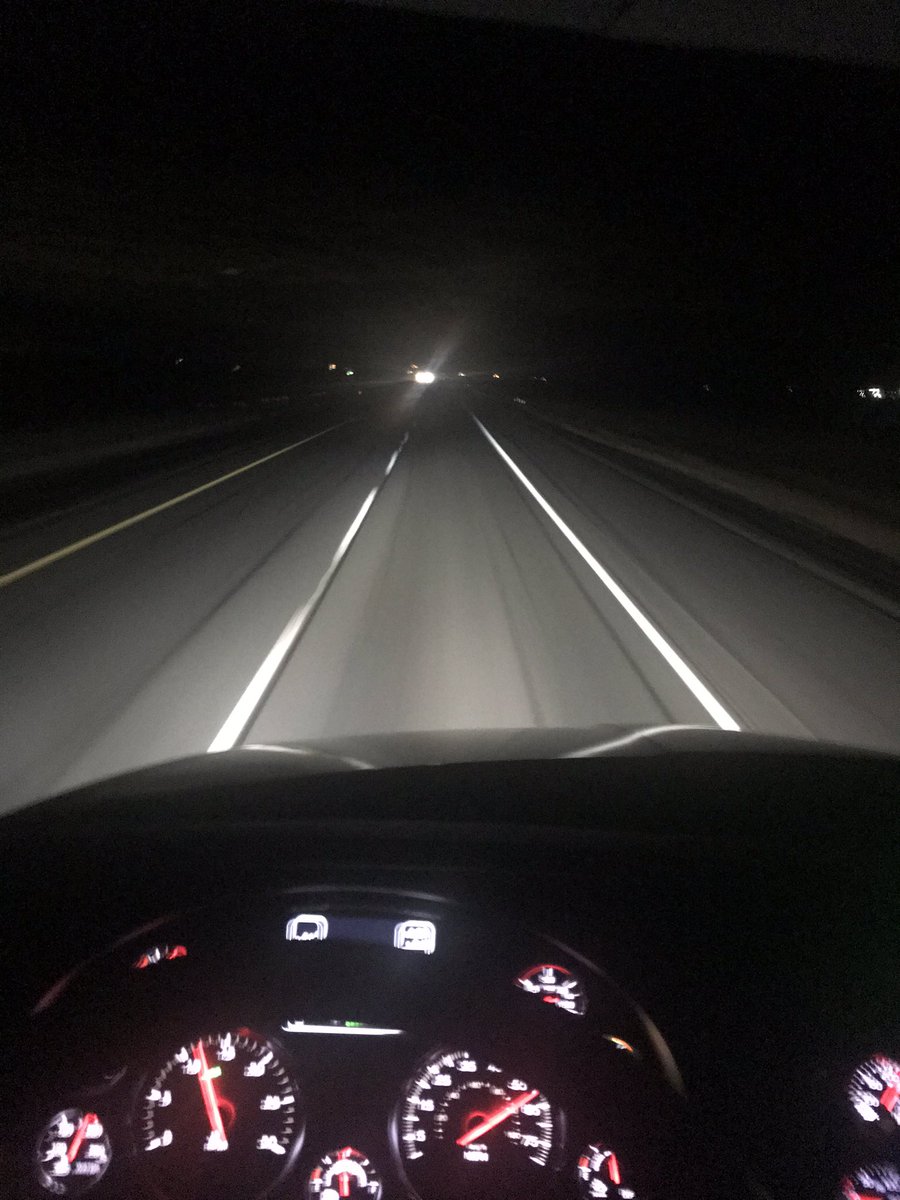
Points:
(243, 712)
(687, 676)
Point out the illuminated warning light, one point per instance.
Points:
(158, 954)
(619, 1043)
(415, 935)
(307, 927)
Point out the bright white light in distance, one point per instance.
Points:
(424, 376)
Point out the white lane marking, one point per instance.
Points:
(240, 717)
(687, 676)
(83, 543)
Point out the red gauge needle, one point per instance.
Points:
(208, 1091)
(889, 1098)
(612, 1165)
(344, 1183)
(78, 1138)
(495, 1118)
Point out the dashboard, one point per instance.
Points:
(448, 1008)
(333, 1044)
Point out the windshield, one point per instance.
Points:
(372, 373)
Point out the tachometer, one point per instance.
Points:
(468, 1128)
(220, 1117)
(874, 1091)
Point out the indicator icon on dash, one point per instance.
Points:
(415, 935)
(307, 927)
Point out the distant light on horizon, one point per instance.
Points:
(495, 376)
(424, 376)
(332, 366)
(348, 372)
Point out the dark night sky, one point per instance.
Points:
(284, 184)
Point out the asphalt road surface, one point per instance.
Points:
(439, 562)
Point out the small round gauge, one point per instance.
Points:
(72, 1153)
(599, 1173)
(874, 1091)
(555, 985)
(221, 1116)
(344, 1172)
(881, 1182)
(466, 1127)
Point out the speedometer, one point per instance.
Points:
(466, 1127)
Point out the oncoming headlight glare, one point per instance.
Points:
(424, 377)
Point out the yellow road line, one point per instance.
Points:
(83, 543)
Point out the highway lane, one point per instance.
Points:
(459, 608)
(131, 650)
(789, 650)
(460, 604)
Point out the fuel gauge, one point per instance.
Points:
(555, 985)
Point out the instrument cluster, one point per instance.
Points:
(327, 1045)
(333, 1045)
